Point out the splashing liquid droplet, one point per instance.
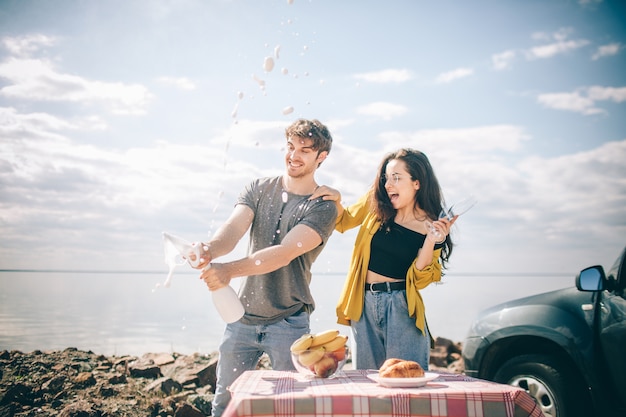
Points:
(288, 110)
(268, 64)
(285, 196)
(259, 81)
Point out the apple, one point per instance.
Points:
(325, 367)
(340, 354)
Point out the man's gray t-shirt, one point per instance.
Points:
(269, 298)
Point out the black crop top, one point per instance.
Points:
(393, 250)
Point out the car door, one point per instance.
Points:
(612, 324)
(613, 340)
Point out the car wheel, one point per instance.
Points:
(552, 384)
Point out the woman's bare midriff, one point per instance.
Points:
(372, 278)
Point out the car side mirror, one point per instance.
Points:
(591, 279)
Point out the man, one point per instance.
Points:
(288, 230)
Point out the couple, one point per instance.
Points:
(290, 219)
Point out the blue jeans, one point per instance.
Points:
(385, 331)
(243, 345)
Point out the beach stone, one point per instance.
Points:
(159, 359)
(202, 402)
(144, 368)
(80, 408)
(165, 385)
(188, 410)
(54, 384)
(84, 379)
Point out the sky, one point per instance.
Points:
(122, 119)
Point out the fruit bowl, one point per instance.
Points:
(321, 355)
(325, 365)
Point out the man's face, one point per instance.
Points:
(301, 159)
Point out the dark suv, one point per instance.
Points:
(567, 348)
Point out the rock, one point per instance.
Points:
(80, 408)
(202, 402)
(446, 356)
(165, 385)
(198, 370)
(84, 379)
(159, 359)
(73, 383)
(17, 393)
(54, 384)
(188, 410)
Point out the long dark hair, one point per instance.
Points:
(429, 196)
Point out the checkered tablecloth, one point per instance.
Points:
(352, 393)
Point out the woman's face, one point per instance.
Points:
(400, 187)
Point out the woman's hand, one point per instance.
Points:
(327, 193)
(442, 226)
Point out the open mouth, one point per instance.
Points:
(393, 197)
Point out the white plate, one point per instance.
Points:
(403, 382)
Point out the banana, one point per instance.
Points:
(311, 356)
(335, 344)
(302, 343)
(324, 337)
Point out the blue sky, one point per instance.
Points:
(122, 119)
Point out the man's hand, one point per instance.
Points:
(205, 255)
(215, 276)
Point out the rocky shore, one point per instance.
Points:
(74, 383)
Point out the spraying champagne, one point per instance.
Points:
(225, 299)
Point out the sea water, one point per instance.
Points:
(119, 313)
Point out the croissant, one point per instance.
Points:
(397, 368)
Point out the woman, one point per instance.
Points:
(394, 257)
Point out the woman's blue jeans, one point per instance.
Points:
(385, 331)
(243, 345)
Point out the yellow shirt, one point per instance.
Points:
(350, 304)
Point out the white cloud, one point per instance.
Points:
(385, 76)
(382, 110)
(560, 188)
(503, 60)
(583, 100)
(560, 45)
(180, 82)
(589, 2)
(38, 79)
(482, 145)
(607, 93)
(25, 46)
(607, 50)
(454, 75)
(54, 187)
(569, 101)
